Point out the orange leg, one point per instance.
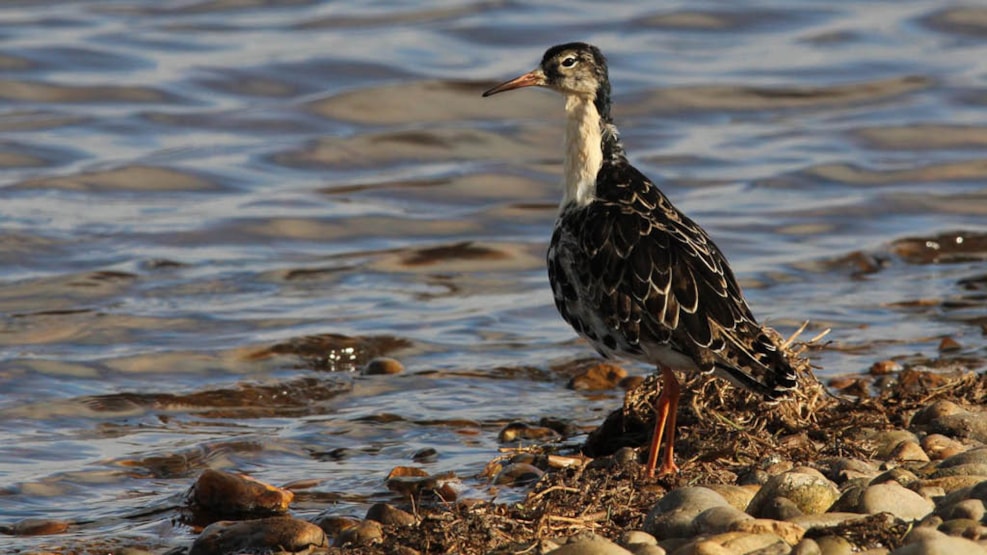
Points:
(666, 406)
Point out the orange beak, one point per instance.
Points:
(534, 78)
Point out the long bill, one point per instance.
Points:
(534, 78)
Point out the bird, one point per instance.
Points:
(631, 273)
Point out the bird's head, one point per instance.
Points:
(575, 68)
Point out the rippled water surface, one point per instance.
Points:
(213, 213)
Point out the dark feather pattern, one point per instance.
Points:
(637, 277)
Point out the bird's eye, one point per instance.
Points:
(569, 62)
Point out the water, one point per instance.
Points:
(187, 190)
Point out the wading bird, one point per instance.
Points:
(631, 273)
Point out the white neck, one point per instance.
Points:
(583, 150)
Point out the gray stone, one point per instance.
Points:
(780, 508)
(849, 501)
(887, 441)
(646, 549)
(672, 516)
(891, 497)
(717, 520)
(811, 492)
(963, 527)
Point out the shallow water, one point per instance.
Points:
(188, 190)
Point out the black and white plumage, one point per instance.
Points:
(630, 273)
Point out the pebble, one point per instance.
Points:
(382, 366)
(884, 367)
(368, 532)
(952, 483)
(886, 441)
(807, 547)
(900, 476)
(589, 544)
(969, 469)
(273, 534)
(632, 537)
(228, 494)
(908, 451)
(834, 545)
(425, 455)
(891, 497)
(735, 543)
(937, 543)
(958, 423)
(781, 508)
(598, 377)
(672, 516)
(516, 431)
(972, 509)
(719, 519)
(389, 515)
(940, 447)
(825, 520)
(963, 527)
(790, 532)
(811, 492)
(739, 497)
(334, 525)
(518, 474)
(973, 456)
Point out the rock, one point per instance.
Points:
(789, 532)
(938, 543)
(519, 431)
(842, 469)
(368, 532)
(812, 493)
(334, 525)
(755, 477)
(972, 456)
(969, 469)
(957, 423)
(389, 515)
(891, 497)
(279, 533)
(781, 508)
(834, 545)
(963, 527)
(898, 475)
(807, 547)
(825, 520)
(951, 483)
(382, 366)
(735, 543)
(849, 501)
(426, 455)
(35, 527)
(940, 447)
(717, 520)
(598, 377)
(589, 544)
(739, 497)
(645, 549)
(632, 537)
(908, 451)
(884, 367)
(887, 441)
(948, 344)
(228, 494)
(518, 474)
(672, 516)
